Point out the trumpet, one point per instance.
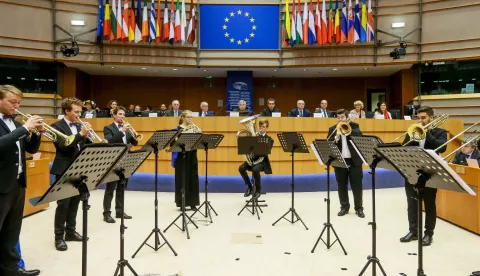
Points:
(343, 128)
(50, 132)
(418, 133)
(92, 135)
(137, 136)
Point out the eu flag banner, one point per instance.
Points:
(239, 27)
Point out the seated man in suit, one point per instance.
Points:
(469, 151)
(204, 110)
(257, 168)
(242, 109)
(300, 111)
(175, 111)
(267, 112)
(325, 113)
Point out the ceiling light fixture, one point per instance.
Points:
(204, 70)
(398, 24)
(22, 78)
(112, 67)
(143, 68)
(335, 69)
(305, 70)
(274, 70)
(77, 22)
(174, 69)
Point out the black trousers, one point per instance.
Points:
(256, 169)
(108, 196)
(429, 199)
(11, 215)
(66, 215)
(355, 175)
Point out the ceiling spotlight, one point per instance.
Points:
(77, 22)
(335, 69)
(274, 70)
(9, 78)
(398, 24)
(366, 68)
(399, 52)
(174, 69)
(22, 78)
(144, 68)
(305, 70)
(112, 67)
(204, 70)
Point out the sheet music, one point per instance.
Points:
(316, 154)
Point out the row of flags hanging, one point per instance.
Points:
(355, 26)
(129, 24)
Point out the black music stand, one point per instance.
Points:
(365, 147)
(88, 169)
(330, 156)
(124, 169)
(159, 140)
(423, 168)
(184, 143)
(257, 145)
(208, 141)
(292, 142)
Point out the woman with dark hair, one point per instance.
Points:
(382, 112)
(111, 106)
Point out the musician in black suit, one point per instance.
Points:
(354, 172)
(257, 168)
(117, 132)
(66, 212)
(204, 110)
(15, 140)
(469, 151)
(434, 139)
(267, 112)
(175, 111)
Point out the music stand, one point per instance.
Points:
(423, 168)
(208, 141)
(292, 142)
(365, 147)
(257, 145)
(124, 169)
(159, 140)
(330, 156)
(88, 170)
(184, 143)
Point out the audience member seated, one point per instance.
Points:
(90, 109)
(148, 108)
(469, 151)
(300, 111)
(325, 113)
(382, 112)
(112, 105)
(163, 109)
(131, 108)
(357, 112)
(267, 112)
(242, 109)
(137, 108)
(175, 111)
(204, 110)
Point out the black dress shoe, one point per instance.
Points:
(342, 212)
(22, 272)
(476, 273)
(60, 245)
(125, 216)
(73, 237)
(360, 213)
(409, 237)
(427, 240)
(108, 219)
(248, 192)
(193, 208)
(257, 194)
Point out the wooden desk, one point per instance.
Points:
(458, 208)
(38, 181)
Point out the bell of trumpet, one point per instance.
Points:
(344, 128)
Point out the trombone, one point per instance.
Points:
(50, 132)
(137, 136)
(418, 132)
(455, 137)
(92, 135)
(343, 127)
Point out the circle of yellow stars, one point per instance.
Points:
(233, 39)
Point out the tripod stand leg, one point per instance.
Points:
(281, 217)
(319, 238)
(198, 210)
(159, 233)
(365, 267)
(144, 242)
(338, 239)
(211, 207)
(131, 269)
(299, 219)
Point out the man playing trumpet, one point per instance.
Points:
(354, 162)
(116, 133)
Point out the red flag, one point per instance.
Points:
(192, 24)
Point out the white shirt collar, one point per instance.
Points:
(68, 122)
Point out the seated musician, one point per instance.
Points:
(264, 165)
(469, 151)
(242, 109)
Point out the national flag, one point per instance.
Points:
(293, 26)
(192, 24)
(338, 32)
(305, 23)
(107, 29)
(171, 31)
(343, 23)
(318, 24)
(363, 30)
(100, 21)
(166, 24)
(324, 24)
(286, 25)
(183, 23)
(370, 24)
(312, 37)
(177, 25)
(153, 23)
(113, 21)
(125, 22)
(299, 24)
(131, 23)
(145, 21)
(138, 21)
(351, 29)
(331, 23)
(158, 24)
(357, 22)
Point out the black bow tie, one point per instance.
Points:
(11, 117)
(71, 124)
(120, 126)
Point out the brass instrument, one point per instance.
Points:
(92, 135)
(137, 136)
(192, 128)
(455, 137)
(343, 128)
(50, 132)
(250, 124)
(418, 132)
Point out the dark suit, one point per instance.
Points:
(245, 113)
(170, 113)
(354, 172)
(115, 136)
(296, 113)
(209, 113)
(329, 113)
(66, 212)
(12, 190)
(461, 158)
(256, 169)
(435, 138)
(268, 113)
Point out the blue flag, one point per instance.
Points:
(100, 18)
(239, 27)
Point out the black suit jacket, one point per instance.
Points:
(65, 154)
(267, 168)
(209, 113)
(461, 158)
(115, 136)
(434, 139)
(268, 113)
(356, 160)
(329, 113)
(295, 113)
(170, 113)
(9, 154)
